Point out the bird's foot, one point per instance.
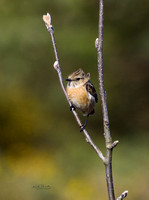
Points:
(85, 124)
(72, 108)
(82, 127)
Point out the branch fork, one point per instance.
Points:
(107, 160)
(47, 20)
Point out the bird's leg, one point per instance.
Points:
(83, 126)
(72, 108)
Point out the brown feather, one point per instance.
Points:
(91, 89)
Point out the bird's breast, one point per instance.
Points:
(80, 98)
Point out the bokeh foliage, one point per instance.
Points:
(40, 141)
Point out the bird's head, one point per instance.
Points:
(78, 78)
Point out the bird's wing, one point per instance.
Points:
(91, 89)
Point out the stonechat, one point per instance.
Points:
(81, 93)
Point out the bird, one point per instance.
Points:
(81, 93)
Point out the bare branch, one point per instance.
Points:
(107, 134)
(47, 20)
(123, 195)
(108, 139)
(99, 46)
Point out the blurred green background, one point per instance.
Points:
(40, 140)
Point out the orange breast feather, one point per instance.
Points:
(78, 97)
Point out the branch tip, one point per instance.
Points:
(115, 143)
(123, 195)
(47, 20)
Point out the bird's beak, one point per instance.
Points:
(68, 79)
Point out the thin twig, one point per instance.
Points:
(123, 195)
(107, 134)
(47, 20)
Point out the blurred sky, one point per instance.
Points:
(40, 140)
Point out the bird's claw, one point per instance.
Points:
(72, 108)
(82, 127)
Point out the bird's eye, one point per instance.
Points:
(78, 79)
